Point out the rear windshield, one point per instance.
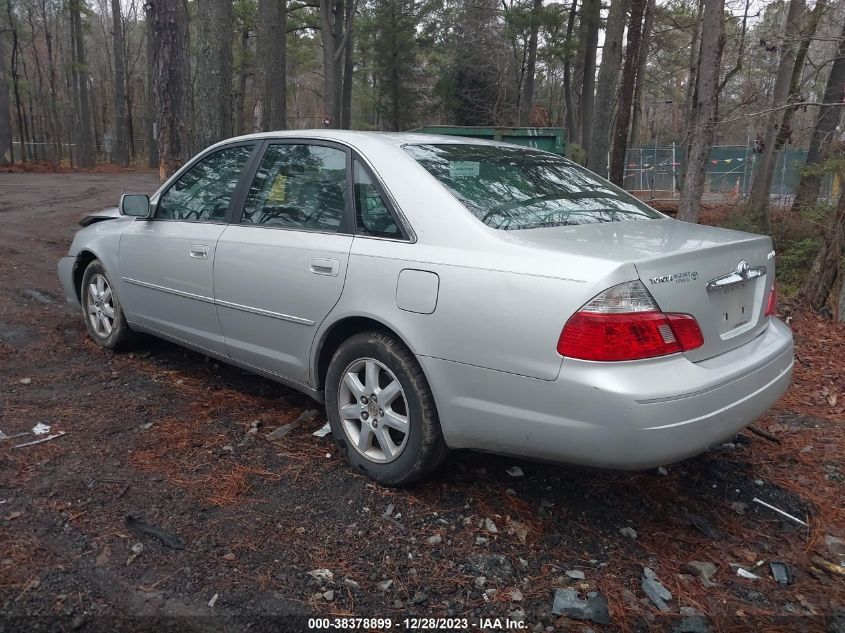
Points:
(520, 188)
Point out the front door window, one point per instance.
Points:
(203, 193)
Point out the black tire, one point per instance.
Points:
(424, 449)
(118, 335)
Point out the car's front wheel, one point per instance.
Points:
(381, 410)
(101, 308)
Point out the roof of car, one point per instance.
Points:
(353, 136)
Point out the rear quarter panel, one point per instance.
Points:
(491, 313)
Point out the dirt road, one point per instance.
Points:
(178, 441)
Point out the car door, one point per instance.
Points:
(280, 269)
(167, 262)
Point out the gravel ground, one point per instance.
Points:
(178, 442)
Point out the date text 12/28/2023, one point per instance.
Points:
(414, 624)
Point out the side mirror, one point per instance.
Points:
(136, 205)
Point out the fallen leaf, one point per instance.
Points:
(520, 529)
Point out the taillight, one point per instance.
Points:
(624, 323)
(772, 303)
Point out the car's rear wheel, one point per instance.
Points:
(381, 410)
(101, 308)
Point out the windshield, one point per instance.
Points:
(520, 188)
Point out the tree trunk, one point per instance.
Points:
(784, 133)
(170, 21)
(13, 65)
(130, 124)
(692, 79)
(626, 93)
(96, 120)
(45, 135)
(645, 42)
(766, 167)
(149, 102)
(348, 68)
(705, 108)
(395, 84)
(567, 74)
(119, 155)
(85, 145)
(214, 72)
(823, 273)
(240, 97)
(826, 122)
(606, 87)
(271, 64)
(331, 30)
(56, 121)
(6, 155)
(590, 15)
(526, 102)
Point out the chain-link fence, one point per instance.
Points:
(654, 169)
(731, 169)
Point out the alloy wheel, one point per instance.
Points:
(373, 410)
(100, 306)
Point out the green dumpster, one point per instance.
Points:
(548, 139)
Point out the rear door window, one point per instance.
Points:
(372, 215)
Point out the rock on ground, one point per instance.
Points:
(569, 603)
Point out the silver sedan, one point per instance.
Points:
(442, 293)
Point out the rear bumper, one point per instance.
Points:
(629, 415)
(67, 265)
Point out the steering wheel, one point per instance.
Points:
(493, 213)
(287, 214)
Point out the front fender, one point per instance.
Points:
(97, 241)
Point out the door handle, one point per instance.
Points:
(323, 266)
(199, 251)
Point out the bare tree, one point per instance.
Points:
(49, 29)
(784, 133)
(348, 68)
(645, 41)
(214, 72)
(526, 102)
(626, 92)
(6, 155)
(16, 91)
(823, 130)
(704, 109)
(85, 156)
(151, 121)
(170, 23)
(821, 278)
(780, 93)
(567, 72)
(334, 41)
(692, 78)
(271, 63)
(243, 73)
(120, 153)
(589, 36)
(606, 87)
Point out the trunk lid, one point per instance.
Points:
(719, 276)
